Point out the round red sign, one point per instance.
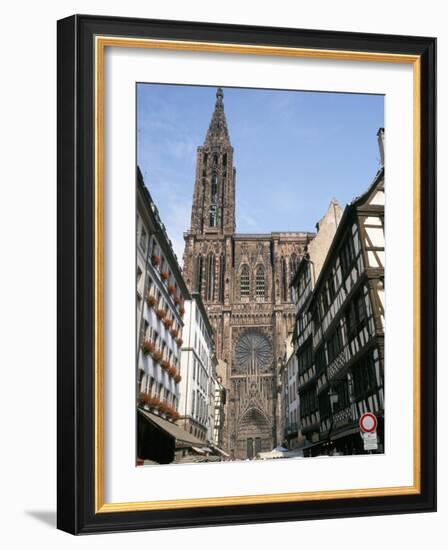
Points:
(368, 422)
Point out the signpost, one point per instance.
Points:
(368, 423)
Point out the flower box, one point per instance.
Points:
(160, 313)
(164, 276)
(165, 364)
(179, 342)
(143, 397)
(172, 371)
(177, 378)
(148, 346)
(174, 332)
(163, 407)
(167, 323)
(176, 300)
(155, 260)
(154, 401)
(171, 289)
(150, 300)
(182, 311)
(157, 356)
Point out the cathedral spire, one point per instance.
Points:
(218, 133)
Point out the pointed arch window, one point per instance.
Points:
(214, 188)
(260, 282)
(210, 277)
(293, 262)
(284, 281)
(198, 275)
(222, 267)
(245, 281)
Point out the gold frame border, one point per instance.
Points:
(101, 42)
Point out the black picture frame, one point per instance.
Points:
(76, 256)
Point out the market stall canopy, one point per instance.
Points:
(182, 437)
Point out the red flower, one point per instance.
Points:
(179, 342)
(150, 300)
(160, 313)
(155, 260)
(171, 289)
(165, 364)
(148, 346)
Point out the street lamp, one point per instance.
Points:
(333, 397)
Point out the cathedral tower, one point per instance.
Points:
(244, 283)
(213, 210)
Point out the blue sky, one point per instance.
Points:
(293, 152)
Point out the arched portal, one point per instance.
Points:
(254, 435)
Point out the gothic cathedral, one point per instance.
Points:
(244, 283)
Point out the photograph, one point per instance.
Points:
(260, 274)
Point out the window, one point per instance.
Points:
(284, 280)
(212, 220)
(334, 344)
(308, 402)
(141, 374)
(356, 314)
(343, 400)
(347, 255)
(139, 274)
(198, 278)
(244, 282)
(364, 377)
(324, 406)
(222, 267)
(143, 237)
(321, 362)
(259, 282)
(214, 189)
(293, 263)
(210, 277)
(305, 357)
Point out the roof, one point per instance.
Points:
(152, 212)
(342, 227)
(172, 429)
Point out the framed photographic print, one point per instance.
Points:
(246, 302)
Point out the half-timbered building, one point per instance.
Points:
(341, 340)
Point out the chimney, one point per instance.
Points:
(380, 135)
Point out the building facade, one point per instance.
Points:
(161, 298)
(198, 370)
(219, 413)
(340, 329)
(289, 397)
(302, 285)
(244, 282)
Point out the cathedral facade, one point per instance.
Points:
(244, 280)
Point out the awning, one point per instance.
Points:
(345, 433)
(198, 450)
(181, 436)
(220, 451)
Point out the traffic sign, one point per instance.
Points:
(370, 441)
(368, 422)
